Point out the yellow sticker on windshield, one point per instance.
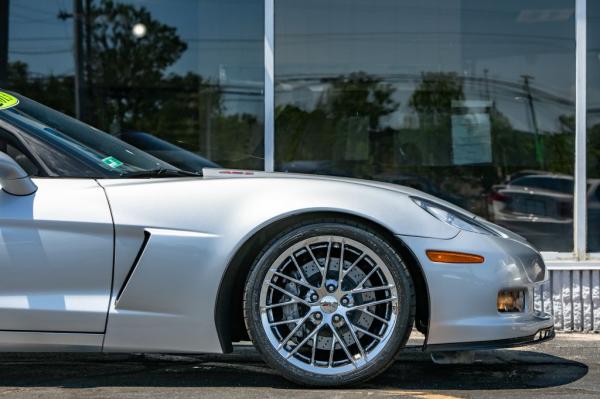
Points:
(7, 101)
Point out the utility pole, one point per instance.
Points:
(78, 55)
(78, 16)
(539, 147)
(90, 116)
(486, 83)
(4, 9)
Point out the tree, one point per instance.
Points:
(124, 69)
(359, 94)
(53, 91)
(346, 112)
(432, 99)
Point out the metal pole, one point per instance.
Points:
(4, 10)
(87, 62)
(580, 195)
(269, 86)
(539, 147)
(78, 16)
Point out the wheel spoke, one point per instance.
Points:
(366, 278)
(304, 341)
(300, 270)
(366, 305)
(286, 292)
(343, 345)
(370, 289)
(292, 279)
(341, 264)
(355, 338)
(278, 323)
(367, 332)
(345, 272)
(327, 260)
(314, 349)
(276, 305)
(294, 331)
(315, 261)
(331, 352)
(373, 315)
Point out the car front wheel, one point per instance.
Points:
(329, 303)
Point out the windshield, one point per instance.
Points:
(102, 154)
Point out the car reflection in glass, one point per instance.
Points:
(539, 206)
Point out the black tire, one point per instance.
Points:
(401, 279)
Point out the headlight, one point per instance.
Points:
(452, 218)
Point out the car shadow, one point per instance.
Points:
(412, 371)
(492, 370)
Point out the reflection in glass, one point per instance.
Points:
(186, 71)
(593, 122)
(472, 101)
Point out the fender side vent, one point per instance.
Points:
(134, 265)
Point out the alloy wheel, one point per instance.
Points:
(328, 304)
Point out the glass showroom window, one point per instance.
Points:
(593, 124)
(472, 101)
(181, 79)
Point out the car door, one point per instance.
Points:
(56, 257)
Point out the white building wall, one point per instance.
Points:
(573, 297)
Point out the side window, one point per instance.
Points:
(10, 145)
(527, 182)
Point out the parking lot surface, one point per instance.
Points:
(567, 367)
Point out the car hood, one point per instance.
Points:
(211, 173)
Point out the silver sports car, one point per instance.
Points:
(104, 247)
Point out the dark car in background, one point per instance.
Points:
(540, 207)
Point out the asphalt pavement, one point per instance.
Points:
(567, 367)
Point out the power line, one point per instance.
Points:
(40, 52)
(40, 39)
(32, 9)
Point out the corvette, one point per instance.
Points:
(104, 247)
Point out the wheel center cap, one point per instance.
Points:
(329, 304)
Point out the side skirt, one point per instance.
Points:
(33, 341)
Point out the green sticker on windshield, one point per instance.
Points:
(112, 162)
(7, 101)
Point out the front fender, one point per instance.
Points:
(218, 216)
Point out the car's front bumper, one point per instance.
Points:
(543, 335)
(463, 297)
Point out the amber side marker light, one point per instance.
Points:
(453, 257)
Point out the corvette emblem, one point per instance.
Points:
(329, 304)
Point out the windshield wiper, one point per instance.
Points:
(163, 172)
